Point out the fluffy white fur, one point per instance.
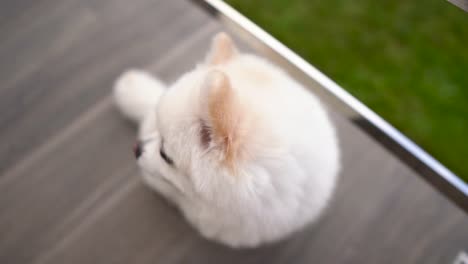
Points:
(255, 156)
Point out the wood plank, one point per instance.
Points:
(84, 60)
(55, 185)
(56, 190)
(87, 166)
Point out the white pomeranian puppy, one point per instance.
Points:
(244, 151)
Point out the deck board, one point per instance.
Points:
(69, 187)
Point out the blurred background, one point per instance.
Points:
(406, 60)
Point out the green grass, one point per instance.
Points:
(406, 60)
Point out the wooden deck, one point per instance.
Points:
(69, 187)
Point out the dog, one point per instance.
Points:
(243, 150)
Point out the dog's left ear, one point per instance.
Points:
(224, 121)
(222, 49)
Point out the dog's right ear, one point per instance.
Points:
(224, 121)
(222, 49)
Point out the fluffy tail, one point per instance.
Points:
(136, 93)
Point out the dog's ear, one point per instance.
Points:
(222, 49)
(223, 122)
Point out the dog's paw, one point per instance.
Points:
(131, 80)
(135, 92)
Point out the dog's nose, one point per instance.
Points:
(137, 149)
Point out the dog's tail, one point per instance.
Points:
(136, 93)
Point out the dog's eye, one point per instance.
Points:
(164, 156)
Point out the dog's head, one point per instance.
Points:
(204, 133)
